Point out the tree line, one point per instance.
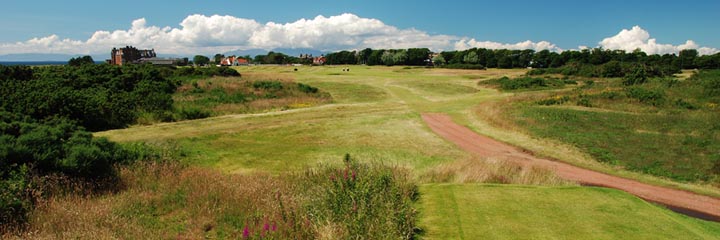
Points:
(500, 58)
(505, 58)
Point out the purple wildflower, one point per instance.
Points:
(274, 227)
(246, 232)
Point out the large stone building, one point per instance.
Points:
(130, 54)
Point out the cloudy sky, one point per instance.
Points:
(188, 27)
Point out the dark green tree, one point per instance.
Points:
(687, 58)
(218, 58)
(635, 76)
(79, 61)
(201, 60)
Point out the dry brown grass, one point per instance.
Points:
(492, 170)
(166, 201)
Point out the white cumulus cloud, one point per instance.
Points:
(537, 46)
(636, 37)
(200, 34)
(213, 34)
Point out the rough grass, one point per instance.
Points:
(247, 94)
(663, 128)
(471, 211)
(491, 170)
(674, 146)
(170, 201)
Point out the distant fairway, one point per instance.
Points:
(375, 116)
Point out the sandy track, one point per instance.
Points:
(681, 201)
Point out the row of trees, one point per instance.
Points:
(491, 58)
(505, 58)
(411, 56)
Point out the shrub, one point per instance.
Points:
(364, 201)
(636, 76)
(569, 81)
(652, 97)
(29, 149)
(584, 101)
(268, 85)
(556, 100)
(307, 88)
(98, 97)
(193, 113)
(527, 83)
(14, 200)
(464, 66)
(709, 80)
(610, 95)
(684, 104)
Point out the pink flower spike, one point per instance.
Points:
(246, 232)
(266, 227)
(274, 227)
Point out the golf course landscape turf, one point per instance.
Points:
(375, 117)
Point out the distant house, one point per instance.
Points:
(319, 60)
(234, 61)
(132, 55)
(241, 62)
(228, 61)
(129, 54)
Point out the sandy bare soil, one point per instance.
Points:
(680, 201)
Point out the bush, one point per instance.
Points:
(307, 88)
(268, 85)
(527, 83)
(29, 149)
(556, 100)
(98, 97)
(709, 80)
(652, 97)
(584, 101)
(464, 66)
(364, 201)
(610, 95)
(193, 113)
(15, 201)
(637, 76)
(684, 104)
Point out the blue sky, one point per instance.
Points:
(564, 24)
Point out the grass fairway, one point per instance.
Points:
(375, 116)
(476, 211)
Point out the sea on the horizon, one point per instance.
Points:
(36, 63)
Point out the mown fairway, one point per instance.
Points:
(375, 116)
(472, 211)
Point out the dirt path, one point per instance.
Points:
(680, 201)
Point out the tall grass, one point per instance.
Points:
(492, 170)
(663, 127)
(166, 200)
